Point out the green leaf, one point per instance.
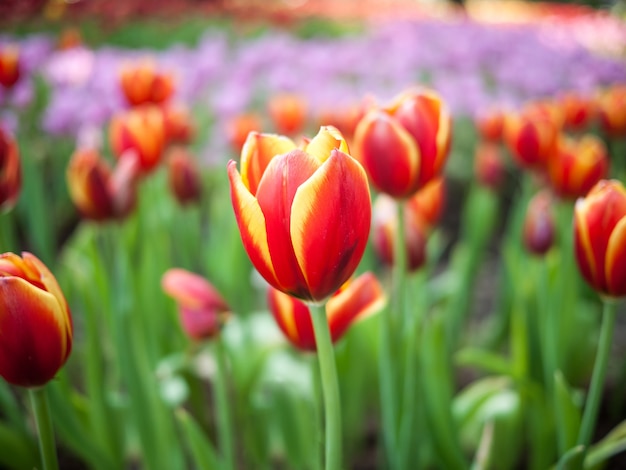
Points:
(202, 451)
(612, 444)
(568, 410)
(19, 451)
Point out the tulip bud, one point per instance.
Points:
(203, 311)
(238, 128)
(578, 111)
(184, 176)
(489, 167)
(141, 130)
(10, 172)
(9, 65)
(142, 84)
(288, 113)
(490, 125)
(600, 237)
(531, 136)
(577, 165)
(356, 300)
(539, 224)
(35, 322)
(179, 127)
(612, 110)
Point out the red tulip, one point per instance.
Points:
(10, 172)
(303, 213)
(490, 125)
(531, 137)
(578, 111)
(539, 224)
(35, 322)
(202, 309)
(405, 145)
(143, 84)
(600, 237)
(184, 176)
(9, 65)
(356, 300)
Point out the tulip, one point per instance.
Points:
(9, 65)
(612, 110)
(531, 136)
(344, 118)
(489, 166)
(202, 309)
(70, 38)
(10, 172)
(97, 192)
(490, 125)
(141, 130)
(238, 128)
(577, 165)
(356, 300)
(405, 145)
(179, 128)
(142, 84)
(35, 322)
(184, 176)
(303, 213)
(578, 111)
(288, 112)
(600, 237)
(539, 227)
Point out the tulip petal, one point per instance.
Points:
(326, 140)
(582, 245)
(191, 290)
(330, 222)
(33, 340)
(616, 260)
(293, 318)
(257, 152)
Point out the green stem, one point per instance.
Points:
(47, 447)
(599, 372)
(400, 264)
(223, 407)
(330, 386)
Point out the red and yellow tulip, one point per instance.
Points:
(202, 309)
(577, 165)
(531, 137)
(9, 65)
(142, 84)
(35, 322)
(612, 110)
(600, 237)
(578, 111)
(356, 300)
(184, 176)
(10, 171)
(141, 130)
(304, 213)
(405, 145)
(538, 231)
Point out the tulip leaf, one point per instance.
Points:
(482, 359)
(612, 444)
(202, 451)
(19, 451)
(568, 412)
(572, 459)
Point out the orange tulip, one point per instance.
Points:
(405, 145)
(142, 84)
(489, 166)
(356, 300)
(600, 237)
(304, 213)
(612, 110)
(238, 128)
(184, 176)
(179, 127)
(539, 228)
(141, 130)
(10, 172)
(288, 112)
(490, 125)
(69, 39)
(9, 65)
(203, 311)
(35, 322)
(577, 165)
(578, 111)
(531, 136)
(98, 193)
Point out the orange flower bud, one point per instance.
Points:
(69, 39)
(35, 322)
(202, 309)
(539, 224)
(577, 165)
(578, 111)
(238, 128)
(141, 130)
(184, 176)
(600, 237)
(531, 137)
(356, 300)
(10, 172)
(489, 166)
(179, 127)
(288, 113)
(142, 84)
(612, 110)
(9, 65)
(405, 145)
(490, 125)
(304, 213)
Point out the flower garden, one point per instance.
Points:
(304, 236)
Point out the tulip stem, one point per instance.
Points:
(47, 446)
(330, 386)
(599, 372)
(223, 406)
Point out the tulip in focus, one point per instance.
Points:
(142, 84)
(9, 65)
(202, 309)
(184, 176)
(356, 300)
(539, 229)
(600, 237)
(405, 145)
(577, 165)
(489, 166)
(141, 130)
(304, 213)
(35, 322)
(612, 110)
(10, 171)
(288, 113)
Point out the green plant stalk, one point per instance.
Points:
(47, 446)
(330, 387)
(592, 404)
(224, 415)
